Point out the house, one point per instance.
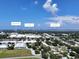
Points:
(3, 46)
(16, 35)
(20, 45)
(32, 41)
(64, 58)
(32, 36)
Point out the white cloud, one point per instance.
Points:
(54, 24)
(67, 19)
(15, 23)
(28, 24)
(60, 21)
(50, 7)
(23, 8)
(36, 2)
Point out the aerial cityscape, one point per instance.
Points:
(39, 29)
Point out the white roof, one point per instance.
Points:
(3, 46)
(64, 58)
(45, 44)
(2, 33)
(20, 45)
(7, 42)
(25, 35)
(33, 36)
(11, 36)
(32, 41)
(16, 35)
(20, 35)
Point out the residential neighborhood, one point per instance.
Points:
(39, 29)
(47, 46)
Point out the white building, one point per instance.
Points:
(16, 35)
(3, 46)
(32, 36)
(32, 41)
(64, 58)
(20, 45)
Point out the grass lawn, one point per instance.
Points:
(30, 58)
(14, 53)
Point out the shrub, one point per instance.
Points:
(10, 46)
(37, 52)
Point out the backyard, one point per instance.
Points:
(14, 53)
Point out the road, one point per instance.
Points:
(36, 56)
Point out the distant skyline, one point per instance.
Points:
(45, 14)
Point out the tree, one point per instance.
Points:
(11, 46)
(44, 55)
(72, 54)
(37, 51)
(29, 45)
(54, 56)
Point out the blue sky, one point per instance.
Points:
(34, 11)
